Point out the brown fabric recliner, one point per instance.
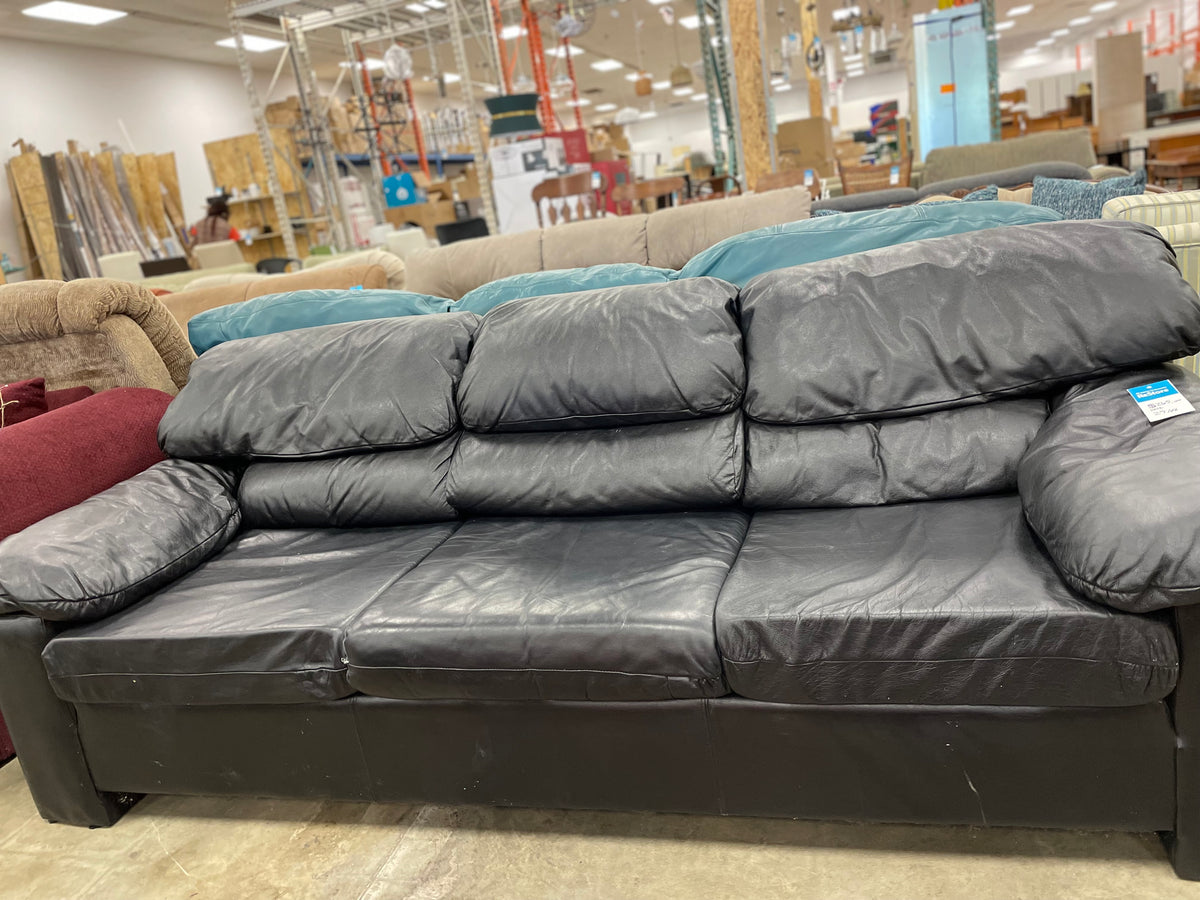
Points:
(93, 331)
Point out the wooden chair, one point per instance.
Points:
(587, 204)
(628, 196)
(718, 186)
(774, 181)
(863, 179)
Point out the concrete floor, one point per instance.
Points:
(178, 847)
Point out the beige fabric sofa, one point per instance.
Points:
(667, 238)
(93, 331)
(1073, 145)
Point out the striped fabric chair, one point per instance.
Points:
(1176, 215)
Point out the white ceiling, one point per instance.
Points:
(188, 29)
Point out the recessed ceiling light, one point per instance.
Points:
(693, 22)
(417, 8)
(1082, 20)
(1005, 25)
(661, 85)
(1060, 32)
(559, 52)
(373, 65)
(451, 77)
(254, 43)
(698, 97)
(607, 65)
(682, 91)
(606, 107)
(75, 13)
(1045, 42)
(1105, 6)
(648, 114)
(511, 32)
(1020, 10)
(782, 87)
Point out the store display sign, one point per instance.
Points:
(1160, 400)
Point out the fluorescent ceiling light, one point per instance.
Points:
(1045, 42)
(633, 76)
(511, 32)
(852, 57)
(648, 114)
(451, 77)
(682, 91)
(1020, 10)
(778, 80)
(1082, 20)
(373, 65)
(1060, 32)
(853, 73)
(75, 13)
(693, 22)
(435, 4)
(417, 8)
(559, 53)
(491, 89)
(582, 101)
(783, 87)
(699, 97)
(661, 85)
(254, 43)
(1005, 25)
(1105, 6)
(1030, 51)
(658, 2)
(606, 107)
(607, 65)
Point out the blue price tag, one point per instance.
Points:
(1160, 400)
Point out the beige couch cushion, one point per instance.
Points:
(1073, 145)
(673, 236)
(453, 270)
(596, 242)
(392, 265)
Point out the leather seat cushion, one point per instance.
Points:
(604, 608)
(263, 622)
(950, 602)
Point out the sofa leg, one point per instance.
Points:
(45, 732)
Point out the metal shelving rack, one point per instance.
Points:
(714, 43)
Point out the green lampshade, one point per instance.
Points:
(514, 115)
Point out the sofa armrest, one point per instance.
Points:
(1116, 499)
(121, 545)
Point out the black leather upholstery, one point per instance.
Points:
(117, 547)
(1086, 482)
(951, 453)
(264, 622)
(941, 602)
(376, 385)
(362, 490)
(613, 608)
(960, 320)
(641, 468)
(654, 353)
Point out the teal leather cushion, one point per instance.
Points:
(744, 256)
(273, 313)
(560, 281)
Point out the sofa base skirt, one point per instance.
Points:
(1076, 768)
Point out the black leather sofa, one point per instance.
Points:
(881, 538)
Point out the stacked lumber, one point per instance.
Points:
(73, 208)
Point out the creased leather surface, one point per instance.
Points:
(613, 356)
(643, 468)
(121, 545)
(948, 602)
(616, 608)
(962, 319)
(377, 385)
(263, 622)
(950, 453)
(1115, 499)
(396, 487)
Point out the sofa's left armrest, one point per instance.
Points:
(1116, 499)
(121, 545)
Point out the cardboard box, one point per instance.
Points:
(825, 167)
(813, 137)
(427, 215)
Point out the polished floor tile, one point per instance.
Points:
(204, 847)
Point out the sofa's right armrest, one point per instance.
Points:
(116, 548)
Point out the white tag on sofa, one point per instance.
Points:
(1160, 400)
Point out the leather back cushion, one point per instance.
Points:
(954, 321)
(614, 400)
(379, 385)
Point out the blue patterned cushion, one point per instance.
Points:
(1082, 199)
(991, 192)
(827, 212)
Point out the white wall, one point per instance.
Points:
(55, 92)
